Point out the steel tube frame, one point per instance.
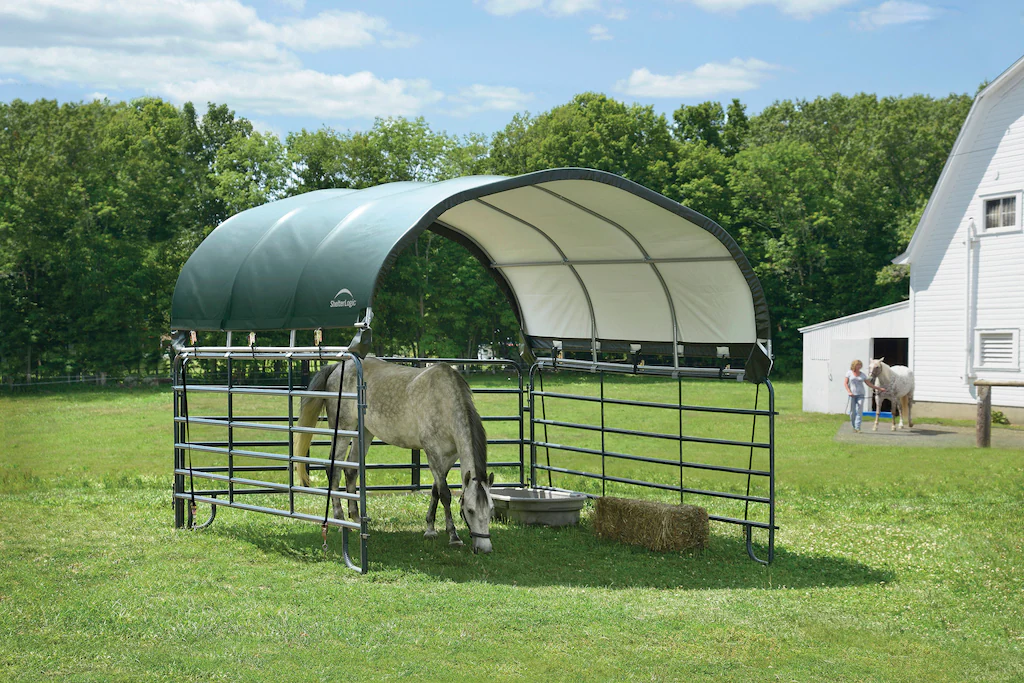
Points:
(226, 475)
(235, 486)
(228, 448)
(535, 396)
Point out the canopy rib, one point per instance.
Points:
(647, 258)
(579, 280)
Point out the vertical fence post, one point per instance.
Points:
(523, 408)
(416, 462)
(291, 434)
(231, 434)
(179, 456)
(983, 428)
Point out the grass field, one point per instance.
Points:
(899, 564)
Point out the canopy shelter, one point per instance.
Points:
(589, 261)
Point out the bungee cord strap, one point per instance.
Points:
(750, 465)
(334, 443)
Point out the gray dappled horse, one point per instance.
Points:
(430, 409)
(898, 383)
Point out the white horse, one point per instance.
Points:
(430, 409)
(898, 382)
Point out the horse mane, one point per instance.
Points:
(476, 427)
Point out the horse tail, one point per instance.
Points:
(309, 413)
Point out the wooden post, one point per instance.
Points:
(983, 428)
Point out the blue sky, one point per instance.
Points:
(468, 66)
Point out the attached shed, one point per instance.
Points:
(830, 347)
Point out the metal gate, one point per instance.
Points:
(704, 466)
(241, 456)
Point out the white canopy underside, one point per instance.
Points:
(588, 260)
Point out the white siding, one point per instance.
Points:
(989, 161)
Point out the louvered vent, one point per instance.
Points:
(997, 349)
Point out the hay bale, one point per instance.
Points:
(658, 526)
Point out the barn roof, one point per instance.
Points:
(586, 258)
(948, 177)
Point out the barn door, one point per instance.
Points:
(842, 352)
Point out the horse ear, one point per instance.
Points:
(490, 480)
(465, 479)
(881, 359)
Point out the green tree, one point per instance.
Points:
(591, 131)
(702, 122)
(736, 129)
(249, 170)
(701, 180)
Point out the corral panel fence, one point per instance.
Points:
(615, 429)
(236, 411)
(639, 431)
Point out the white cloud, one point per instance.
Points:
(738, 75)
(504, 8)
(297, 5)
(310, 92)
(896, 12)
(333, 29)
(204, 51)
(479, 98)
(801, 9)
(565, 8)
(554, 8)
(598, 32)
(265, 128)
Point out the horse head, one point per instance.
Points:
(476, 507)
(876, 367)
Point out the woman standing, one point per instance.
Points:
(855, 382)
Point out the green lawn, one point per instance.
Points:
(891, 565)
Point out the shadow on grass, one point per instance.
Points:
(536, 556)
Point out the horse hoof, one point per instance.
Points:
(430, 533)
(456, 543)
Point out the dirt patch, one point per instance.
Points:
(927, 436)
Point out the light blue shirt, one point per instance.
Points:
(857, 380)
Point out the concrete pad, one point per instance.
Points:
(926, 436)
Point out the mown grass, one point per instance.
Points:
(892, 564)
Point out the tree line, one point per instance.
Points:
(101, 203)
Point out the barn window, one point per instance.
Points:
(997, 349)
(1002, 213)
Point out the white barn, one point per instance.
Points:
(966, 310)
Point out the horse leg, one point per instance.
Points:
(895, 402)
(341, 447)
(878, 408)
(905, 410)
(352, 474)
(445, 495)
(432, 512)
(910, 411)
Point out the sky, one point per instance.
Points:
(467, 66)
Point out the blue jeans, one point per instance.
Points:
(856, 410)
